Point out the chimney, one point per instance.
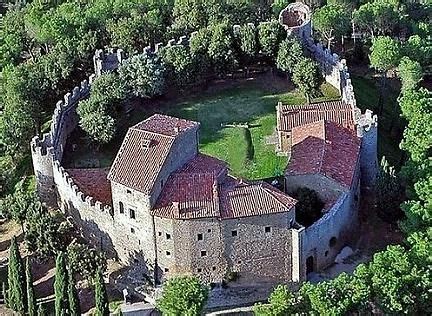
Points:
(176, 206)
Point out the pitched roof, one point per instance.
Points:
(243, 199)
(202, 189)
(144, 151)
(290, 116)
(93, 182)
(327, 148)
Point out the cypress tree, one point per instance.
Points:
(74, 303)
(101, 296)
(16, 281)
(60, 286)
(41, 310)
(31, 300)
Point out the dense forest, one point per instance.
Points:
(47, 48)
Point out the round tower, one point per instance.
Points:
(367, 130)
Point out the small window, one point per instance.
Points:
(136, 260)
(159, 234)
(209, 230)
(132, 230)
(199, 270)
(121, 207)
(326, 253)
(214, 268)
(239, 262)
(166, 270)
(203, 253)
(356, 198)
(168, 254)
(234, 233)
(332, 242)
(267, 229)
(132, 213)
(200, 236)
(129, 191)
(168, 236)
(139, 242)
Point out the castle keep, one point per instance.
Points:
(170, 209)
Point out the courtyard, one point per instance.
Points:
(228, 110)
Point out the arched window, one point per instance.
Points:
(121, 207)
(332, 242)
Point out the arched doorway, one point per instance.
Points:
(309, 265)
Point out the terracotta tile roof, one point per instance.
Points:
(144, 151)
(290, 116)
(165, 125)
(243, 199)
(202, 189)
(327, 148)
(192, 191)
(93, 182)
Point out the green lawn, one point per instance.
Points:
(250, 102)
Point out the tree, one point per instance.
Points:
(270, 34)
(16, 296)
(248, 42)
(221, 48)
(183, 295)
(85, 260)
(281, 302)
(31, 299)
(73, 298)
(101, 296)
(418, 49)
(61, 286)
(143, 75)
(308, 207)
(379, 17)
(189, 15)
(99, 126)
(389, 192)
(305, 76)
(385, 55)
(332, 20)
(290, 54)
(410, 73)
(180, 64)
(41, 310)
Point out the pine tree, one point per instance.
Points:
(41, 310)
(31, 301)
(74, 303)
(101, 296)
(16, 292)
(60, 286)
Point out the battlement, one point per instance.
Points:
(366, 122)
(107, 60)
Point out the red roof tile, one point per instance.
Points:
(325, 147)
(290, 116)
(165, 125)
(93, 182)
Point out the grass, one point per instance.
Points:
(389, 121)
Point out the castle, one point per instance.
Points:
(170, 209)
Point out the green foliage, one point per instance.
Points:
(16, 296)
(385, 53)
(389, 192)
(181, 66)
(144, 75)
(289, 55)
(306, 77)
(189, 15)
(45, 235)
(183, 295)
(379, 17)
(13, 37)
(31, 299)
(331, 20)
(73, 299)
(86, 261)
(410, 73)
(281, 302)
(101, 296)
(41, 310)
(248, 42)
(61, 286)
(418, 49)
(221, 48)
(250, 150)
(308, 207)
(270, 34)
